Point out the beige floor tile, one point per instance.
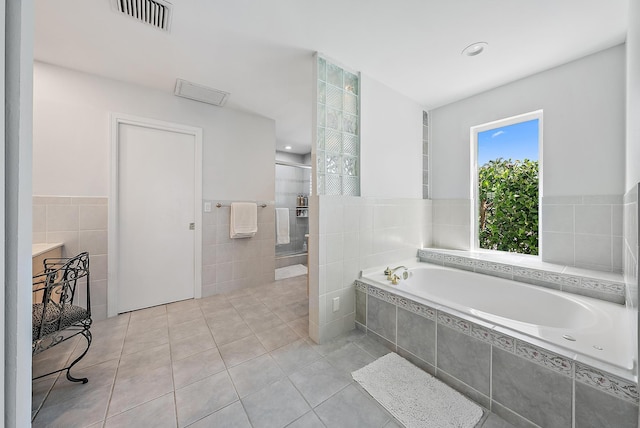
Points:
(88, 410)
(178, 317)
(222, 315)
(264, 322)
(197, 367)
(136, 364)
(139, 341)
(99, 375)
(242, 350)
(191, 345)
(182, 305)
(129, 392)
(158, 413)
(300, 326)
(187, 329)
(148, 313)
(232, 416)
(277, 337)
(146, 324)
(295, 355)
(276, 405)
(204, 397)
(255, 374)
(230, 332)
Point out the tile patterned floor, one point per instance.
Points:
(242, 359)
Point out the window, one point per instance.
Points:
(338, 133)
(506, 169)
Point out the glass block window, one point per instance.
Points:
(338, 130)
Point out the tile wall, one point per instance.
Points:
(526, 385)
(81, 224)
(580, 231)
(583, 231)
(451, 224)
(353, 234)
(231, 264)
(630, 235)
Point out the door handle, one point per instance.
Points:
(192, 226)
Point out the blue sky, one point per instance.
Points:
(517, 141)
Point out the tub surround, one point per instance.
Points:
(524, 383)
(607, 286)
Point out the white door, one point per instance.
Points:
(155, 216)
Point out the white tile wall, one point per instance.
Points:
(356, 233)
(580, 231)
(231, 264)
(81, 224)
(452, 224)
(583, 231)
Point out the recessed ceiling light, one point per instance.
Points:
(288, 147)
(474, 49)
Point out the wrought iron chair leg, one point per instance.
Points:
(87, 335)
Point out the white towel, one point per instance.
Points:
(282, 226)
(243, 220)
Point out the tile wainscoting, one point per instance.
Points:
(526, 385)
(80, 223)
(232, 264)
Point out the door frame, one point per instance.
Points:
(116, 120)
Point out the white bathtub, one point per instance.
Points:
(600, 330)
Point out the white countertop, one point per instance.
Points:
(38, 249)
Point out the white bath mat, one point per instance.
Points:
(290, 271)
(414, 397)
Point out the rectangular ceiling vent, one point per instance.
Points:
(156, 13)
(200, 93)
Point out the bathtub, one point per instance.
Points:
(581, 328)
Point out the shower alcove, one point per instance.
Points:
(293, 185)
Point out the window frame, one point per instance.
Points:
(474, 206)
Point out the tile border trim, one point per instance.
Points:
(610, 384)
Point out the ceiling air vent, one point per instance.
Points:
(200, 93)
(153, 12)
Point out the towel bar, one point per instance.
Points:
(218, 205)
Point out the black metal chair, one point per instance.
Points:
(57, 316)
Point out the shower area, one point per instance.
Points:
(293, 185)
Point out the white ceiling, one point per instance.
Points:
(261, 51)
